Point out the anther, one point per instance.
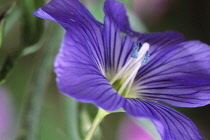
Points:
(146, 59)
(136, 49)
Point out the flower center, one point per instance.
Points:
(126, 75)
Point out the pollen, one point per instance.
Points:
(146, 59)
(136, 49)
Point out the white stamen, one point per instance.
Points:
(121, 71)
(130, 69)
(133, 74)
(129, 86)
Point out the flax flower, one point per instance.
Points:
(114, 67)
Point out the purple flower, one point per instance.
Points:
(114, 67)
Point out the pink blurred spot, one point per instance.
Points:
(5, 115)
(129, 130)
(151, 10)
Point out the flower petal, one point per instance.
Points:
(170, 124)
(79, 77)
(116, 20)
(118, 45)
(179, 75)
(67, 13)
(116, 11)
(160, 41)
(74, 17)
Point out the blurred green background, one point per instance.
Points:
(28, 46)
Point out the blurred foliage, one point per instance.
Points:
(4, 11)
(32, 27)
(17, 17)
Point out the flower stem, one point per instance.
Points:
(99, 117)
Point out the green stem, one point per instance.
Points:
(99, 117)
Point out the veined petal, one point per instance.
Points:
(74, 17)
(67, 13)
(170, 124)
(79, 77)
(160, 41)
(116, 11)
(118, 45)
(179, 75)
